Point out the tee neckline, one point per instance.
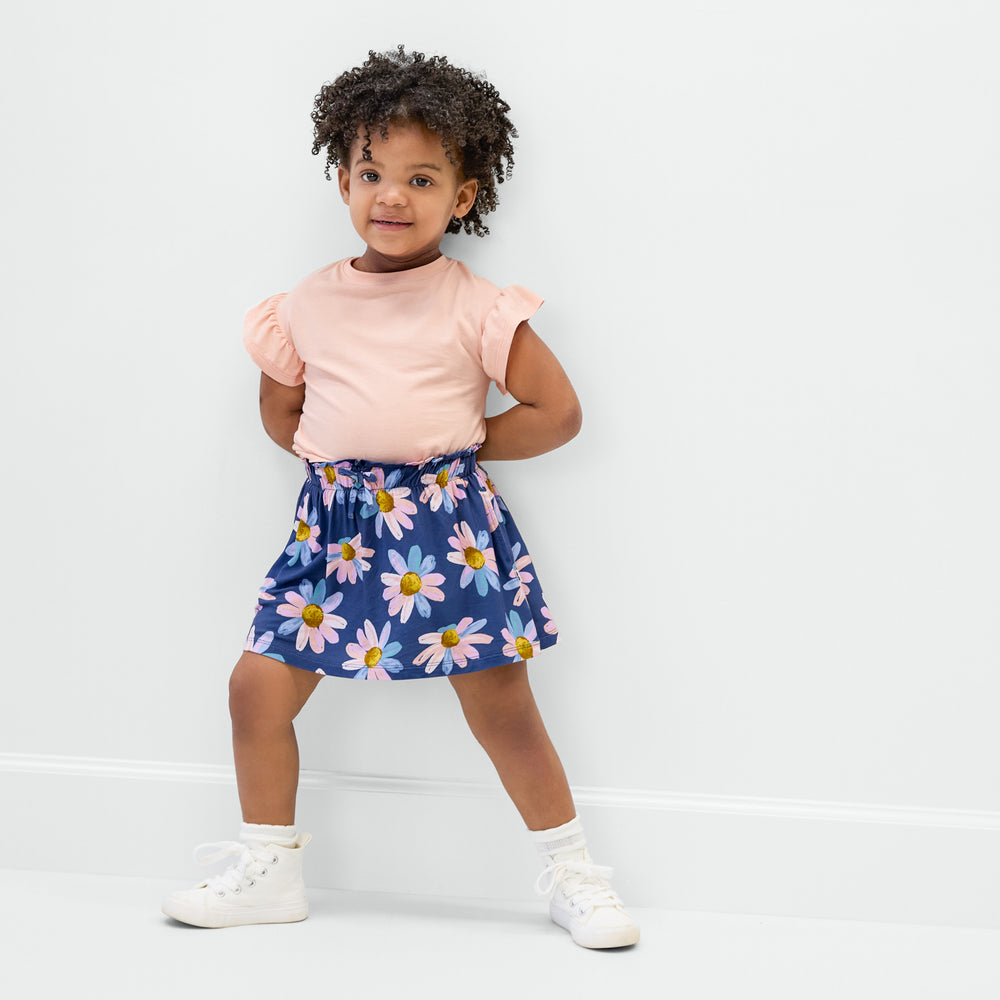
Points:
(412, 274)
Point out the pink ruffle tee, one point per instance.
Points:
(396, 366)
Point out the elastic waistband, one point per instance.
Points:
(361, 472)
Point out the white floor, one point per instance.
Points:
(84, 936)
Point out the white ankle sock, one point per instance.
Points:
(562, 843)
(261, 833)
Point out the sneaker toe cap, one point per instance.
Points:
(606, 927)
(190, 906)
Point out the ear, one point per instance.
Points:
(465, 197)
(344, 183)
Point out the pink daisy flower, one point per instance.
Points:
(333, 479)
(520, 578)
(304, 545)
(349, 558)
(444, 488)
(309, 611)
(452, 646)
(474, 553)
(521, 640)
(259, 644)
(412, 585)
(490, 498)
(263, 595)
(372, 656)
(550, 626)
(390, 505)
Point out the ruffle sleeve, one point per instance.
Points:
(269, 345)
(512, 306)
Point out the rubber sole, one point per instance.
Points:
(196, 916)
(588, 937)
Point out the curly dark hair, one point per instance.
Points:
(462, 107)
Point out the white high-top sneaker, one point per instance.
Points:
(582, 901)
(580, 896)
(263, 886)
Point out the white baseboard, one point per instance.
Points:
(674, 851)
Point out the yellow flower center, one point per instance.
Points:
(409, 584)
(475, 558)
(442, 478)
(450, 638)
(302, 532)
(347, 552)
(385, 501)
(331, 474)
(373, 656)
(523, 648)
(312, 615)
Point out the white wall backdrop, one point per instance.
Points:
(767, 238)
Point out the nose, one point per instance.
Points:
(390, 194)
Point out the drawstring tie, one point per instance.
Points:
(362, 484)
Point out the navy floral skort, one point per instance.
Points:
(396, 571)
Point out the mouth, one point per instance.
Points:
(390, 224)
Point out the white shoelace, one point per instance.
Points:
(582, 880)
(252, 859)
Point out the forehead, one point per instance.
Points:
(404, 141)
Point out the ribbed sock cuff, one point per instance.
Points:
(261, 833)
(561, 842)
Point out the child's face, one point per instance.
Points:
(403, 198)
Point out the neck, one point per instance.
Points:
(376, 263)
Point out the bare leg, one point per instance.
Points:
(502, 714)
(264, 697)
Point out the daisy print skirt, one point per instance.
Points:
(395, 571)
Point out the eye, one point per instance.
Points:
(421, 182)
(369, 175)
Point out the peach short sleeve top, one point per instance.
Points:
(396, 366)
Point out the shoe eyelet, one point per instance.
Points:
(237, 890)
(250, 882)
(274, 859)
(220, 893)
(262, 872)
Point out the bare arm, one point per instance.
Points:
(280, 409)
(547, 413)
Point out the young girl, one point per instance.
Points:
(403, 560)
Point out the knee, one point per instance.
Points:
(242, 697)
(496, 699)
(253, 704)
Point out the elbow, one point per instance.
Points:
(572, 420)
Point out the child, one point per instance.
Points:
(403, 560)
